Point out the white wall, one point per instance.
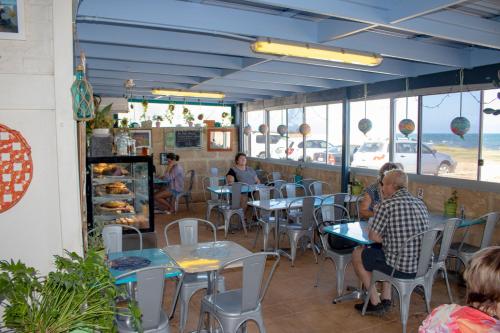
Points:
(35, 77)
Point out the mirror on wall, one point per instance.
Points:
(218, 139)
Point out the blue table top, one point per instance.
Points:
(227, 189)
(157, 257)
(355, 231)
(439, 219)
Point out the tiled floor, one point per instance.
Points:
(292, 303)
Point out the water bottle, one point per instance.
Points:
(462, 212)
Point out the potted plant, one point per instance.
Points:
(226, 119)
(158, 120)
(450, 205)
(298, 174)
(79, 295)
(188, 116)
(124, 122)
(169, 115)
(356, 187)
(103, 120)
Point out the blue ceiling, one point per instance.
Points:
(204, 44)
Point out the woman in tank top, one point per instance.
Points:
(240, 172)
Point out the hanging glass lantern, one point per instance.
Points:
(82, 96)
(365, 125)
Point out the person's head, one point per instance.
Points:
(483, 281)
(386, 167)
(240, 159)
(172, 158)
(393, 181)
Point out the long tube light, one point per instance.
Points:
(185, 93)
(285, 48)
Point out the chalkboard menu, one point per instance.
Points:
(188, 139)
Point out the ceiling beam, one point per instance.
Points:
(233, 89)
(95, 73)
(128, 53)
(138, 84)
(248, 75)
(405, 10)
(261, 85)
(151, 68)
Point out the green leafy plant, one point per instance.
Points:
(124, 122)
(103, 117)
(79, 294)
(453, 199)
(356, 182)
(169, 115)
(157, 118)
(188, 116)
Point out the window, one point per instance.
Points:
(370, 150)
(406, 146)
(490, 171)
(257, 141)
(295, 118)
(315, 145)
(335, 116)
(448, 155)
(277, 143)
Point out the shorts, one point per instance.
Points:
(374, 259)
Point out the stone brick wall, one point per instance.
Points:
(199, 160)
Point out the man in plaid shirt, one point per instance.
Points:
(399, 216)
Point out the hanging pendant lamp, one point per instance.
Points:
(365, 124)
(460, 125)
(406, 126)
(82, 96)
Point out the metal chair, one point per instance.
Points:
(405, 287)
(303, 225)
(188, 231)
(190, 175)
(307, 183)
(262, 175)
(439, 261)
(234, 208)
(233, 308)
(148, 292)
(319, 188)
(290, 190)
(332, 214)
(265, 218)
(214, 172)
(214, 200)
(465, 251)
(277, 184)
(276, 175)
(112, 236)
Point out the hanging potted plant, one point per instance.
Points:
(226, 119)
(200, 118)
(145, 122)
(169, 115)
(158, 120)
(450, 205)
(188, 116)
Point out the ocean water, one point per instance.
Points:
(470, 140)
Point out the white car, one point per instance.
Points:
(315, 151)
(277, 146)
(373, 154)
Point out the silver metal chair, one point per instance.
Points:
(188, 231)
(214, 172)
(320, 188)
(233, 308)
(289, 190)
(148, 292)
(214, 200)
(439, 261)
(265, 218)
(465, 251)
(405, 287)
(303, 225)
(275, 175)
(233, 208)
(277, 184)
(190, 175)
(112, 235)
(307, 183)
(341, 258)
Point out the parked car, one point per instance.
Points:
(277, 145)
(372, 154)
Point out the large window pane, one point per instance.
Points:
(315, 145)
(295, 119)
(444, 153)
(405, 147)
(335, 117)
(491, 137)
(257, 139)
(370, 150)
(277, 143)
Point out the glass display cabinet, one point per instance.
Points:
(120, 190)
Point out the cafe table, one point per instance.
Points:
(226, 189)
(357, 232)
(439, 220)
(141, 258)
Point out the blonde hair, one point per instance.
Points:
(483, 280)
(398, 178)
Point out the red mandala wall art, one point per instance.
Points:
(16, 167)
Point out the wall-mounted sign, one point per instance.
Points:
(188, 139)
(16, 167)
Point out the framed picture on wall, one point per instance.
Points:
(12, 19)
(142, 137)
(163, 158)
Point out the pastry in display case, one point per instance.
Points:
(120, 190)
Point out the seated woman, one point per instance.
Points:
(482, 312)
(174, 174)
(372, 195)
(240, 172)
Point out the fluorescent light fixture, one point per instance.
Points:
(185, 93)
(285, 48)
